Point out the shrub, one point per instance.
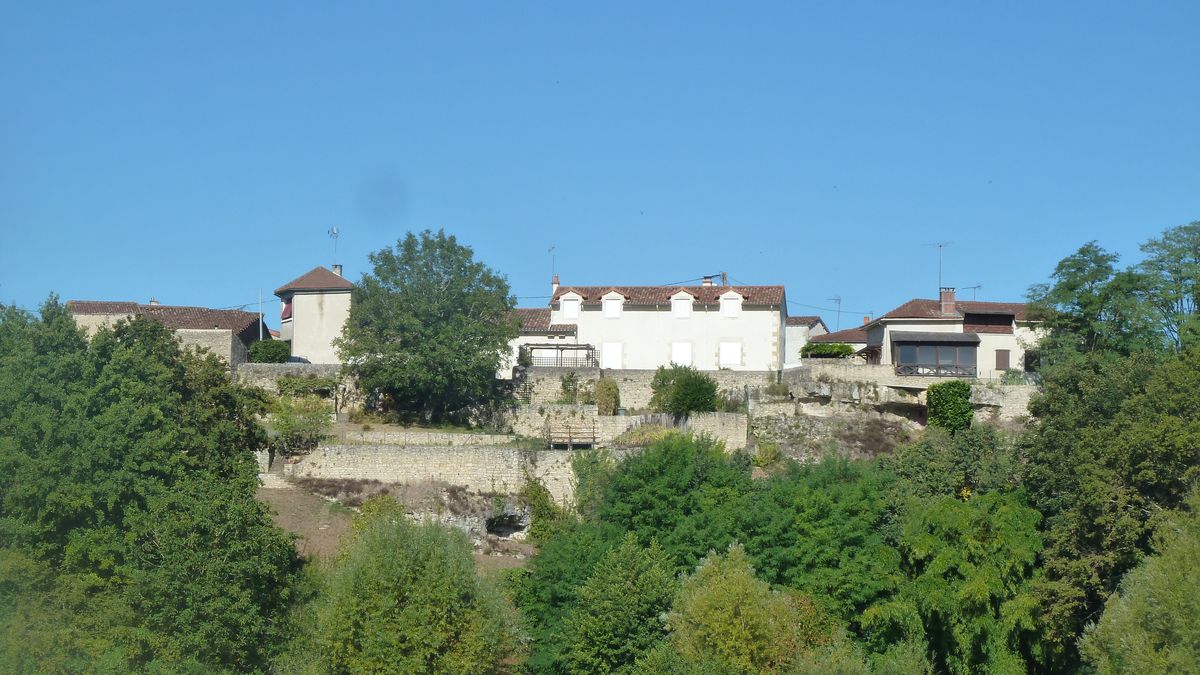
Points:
(826, 350)
(950, 405)
(608, 396)
(544, 513)
(270, 351)
(1014, 376)
(766, 454)
(306, 385)
(778, 389)
(302, 423)
(681, 390)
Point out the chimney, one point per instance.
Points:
(707, 281)
(866, 320)
(337, 269)
(947, 301)
(153, 302)
(724, 279)
(553, 286)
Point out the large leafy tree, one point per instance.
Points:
(125, 476)
(428, 327)
(1150, 625)
(1171, 279)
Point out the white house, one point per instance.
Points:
(798, 330)
(709, 327)
(951, 337)
(316, 306)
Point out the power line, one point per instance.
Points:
(831, 309)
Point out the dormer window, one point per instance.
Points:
(612, 308)
(681, 308)
(731, 306)
(570, 308)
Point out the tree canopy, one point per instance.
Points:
(428, 327)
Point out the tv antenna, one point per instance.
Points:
(553, 261)
(973, 289)
(940, 245)
(333, 234)
(837, 300)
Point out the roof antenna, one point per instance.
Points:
(553, 261)
(837, 299)
(940, 245)
(333, 234)
(973, 289)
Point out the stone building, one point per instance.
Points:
(228, 333)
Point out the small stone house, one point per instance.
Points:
(797, 332)
(228, 333)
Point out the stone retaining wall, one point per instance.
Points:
(478, 469)
(421, 437)
(545, 384)
(732, 429)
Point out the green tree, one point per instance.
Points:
(682, 390)
(1171, 278)
(608, 396)
(724, 613)
(270, 351)
(1150, 625)
(405, 598)
(950, 405)
(617, 616)
(428, 327)
(968, 595)
(1091, 306)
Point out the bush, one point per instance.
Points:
(777, 389)
(826, 350)
(950, 405)
(681, 390)
(766, 454)
(608, 396)
(270, 351)
(306, 385)
(302, 423)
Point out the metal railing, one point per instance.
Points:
(935, 370)
(587, 361)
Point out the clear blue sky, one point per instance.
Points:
(197, 152)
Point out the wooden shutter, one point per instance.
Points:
(1001, 359)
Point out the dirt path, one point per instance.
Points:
(319, 523)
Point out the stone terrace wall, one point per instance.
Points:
(421, 437)
(266, 375)
(478, 469)
(546, 383)
(531, 420)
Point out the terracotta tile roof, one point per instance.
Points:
(849, 336)
(536, 321)
(807, 321)
(241, 323)
(768, 296)
(316, 279)
(921, 308)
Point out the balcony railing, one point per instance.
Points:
(565, 361)
(934, 370)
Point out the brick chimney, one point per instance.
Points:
(553, 287)
(948, 305)
(706, 281)
(866, 320)
(337, 269)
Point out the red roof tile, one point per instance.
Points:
(316, 279)
(661, 295)
(241, 323)
(807, 321)
(921, 308)
(536, 321)
(849, 336)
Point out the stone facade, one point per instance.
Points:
(476, 468)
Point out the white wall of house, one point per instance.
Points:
(317, 318)
(645, 337)
(794, 339)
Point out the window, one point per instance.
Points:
(570, 309)
(610, 355)
(1001, 359)
(287, 310)
(681, 307)
(681, 353)
(731, 354)
(731, 306)
(938, 359)
(612, 308)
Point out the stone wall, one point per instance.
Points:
(218, 341)
(545, 384)
(531, 420)
(266, 375)
(421, 437)
(476, 468)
